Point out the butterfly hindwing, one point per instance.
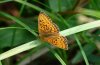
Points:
(58, 41)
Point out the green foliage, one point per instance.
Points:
(22, 34)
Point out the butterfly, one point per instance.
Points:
(49, 32)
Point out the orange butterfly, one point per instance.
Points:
(49, 32)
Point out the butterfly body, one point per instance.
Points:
(49, 32)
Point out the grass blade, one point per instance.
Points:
(80, 28)
(20, 49)
(19, 22)
(81, 49)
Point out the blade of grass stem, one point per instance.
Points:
(0, 63)
(89, 12)
(11, 28)
(81, 49)
(80, 28)
(20, 49)
(19, 22)
(22, 8)
(57, 56)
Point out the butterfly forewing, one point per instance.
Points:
(45, 24)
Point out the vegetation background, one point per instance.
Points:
(19, 29)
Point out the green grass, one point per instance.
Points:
(19, 22)
(5, 1)
(67, 32)
(11, 28)
(0, 63)
(22, 8)
(30, 45)
(82, 51)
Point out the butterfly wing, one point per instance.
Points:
(45, 25)
(58, 41)
(49, 32)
